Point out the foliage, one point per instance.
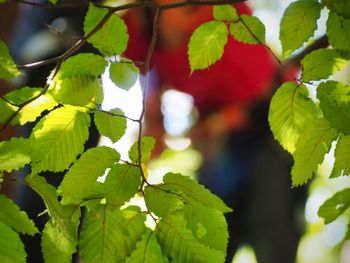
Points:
(189, 220)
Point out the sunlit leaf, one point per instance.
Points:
(14, 154)
(11, 246)
(225, 13)
(84, 173)
(312, 145)
(109, 125)
(298, 24)
(342, 157)
(122, 183)
(147, 145)
(58, 139)
(124, 74)
(206, 45)
(8, 69)
(333, 207)
(321, 63)
(338, 32)
(291, 110)
(11, 215)
(112, 38)
(248, 29)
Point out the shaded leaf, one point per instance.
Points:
(123, 74)
(84, 173)
(112, 38)
(14, 154)
(333, 207)
(122, 183)
(147, 145)
(342, 157)
(298, 24)
(338, 32)
(206, 45)
(58, 139)
(313, 144)
(110, 125)
(11, 246)
(8, 69)
(225, 13)
(11, 215)
(248, 29)
(291, 110)
(321, 63)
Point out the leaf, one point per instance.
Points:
(225, 13)
(110, 125)
(78, 91)
(248, 29)
(190, 189)
(321, 63)
(291, 111)
(338, 32)
(334, 101)
(110, 235)
(340, 7)
(83, 64)
(298, 24)
(124, 74)
(206, 45)
(7, 110)
(112, 38)
(161, 202)
(208, 225)
(11, 246)
(147, 251)
(84, 173)
(342, 157)
(14, 154)
(147, 145)
(122, 183)
(333, 207)
(31, 111)
(8, 69)
(58, 139)
(18, 220)
(57, 246)
(313, 144)
(179, 244)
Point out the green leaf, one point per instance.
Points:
(3, 1)
(189, 189)
(123, 74)
(79, 91)
(112, 38)
(32, 110)
(290, 112)
(340, 7)
(161, 202)
(83, 64)
(206, 45)
(11, 246)
(334, 101)
(8, 69)
(321, 63)
(147, 145)
(110, 125)
(58, 139)
(225, 13)
(313, 144)
(298, 24)
(110, 235)
(248, 29)
(122, 183)
(57, 246)
(7, 110)
(179, 244)
(84, 173)
(53, 1)
(147, 251)
(14, 154)
(342, 157)
(338, 32)
(208, 225)
(11, 215)
(333, 207)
